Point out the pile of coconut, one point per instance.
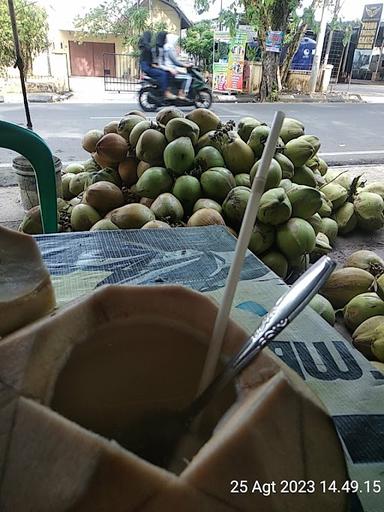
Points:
(194, 170)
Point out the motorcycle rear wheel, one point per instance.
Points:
(147, 99)
(203, 98)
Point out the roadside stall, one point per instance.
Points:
(113, 337)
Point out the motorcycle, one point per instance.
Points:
(199, 94)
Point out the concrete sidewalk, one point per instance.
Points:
(11, 210)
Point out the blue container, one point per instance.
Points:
(303, 58)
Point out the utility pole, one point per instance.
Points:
(19, 61)
(319, 48)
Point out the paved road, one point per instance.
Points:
(350, 133)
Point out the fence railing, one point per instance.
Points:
(121, 72)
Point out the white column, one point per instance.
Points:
(319, 48)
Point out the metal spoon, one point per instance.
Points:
(156, 436)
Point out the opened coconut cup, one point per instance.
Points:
(72, 384)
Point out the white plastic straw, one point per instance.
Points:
(257, 191)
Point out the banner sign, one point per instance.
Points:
(274, 41)
(236, 61)
(370, 24)
(228, 69)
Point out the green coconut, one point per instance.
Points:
(346, 283)
(305, 201)
(362, 307)
(323, 167)
(304, 176)
(238, 156)
(324, 308)
(132, 216)
(168, 207)
(208, 157)
(378, 343)
(126, 125)
(91, 165)
(366, 260)
(376, 187)
(166, 114)
(300, 264)
(107, 174)
(154, 182)
(205, 217)
(156, 224)
(274, 174)
(31, 223)
(83, 217)
(78, 183)
(234, 206)
(299, 151)
(258, 139)
(337, 194)
(286, 184)
(208, 139)
(287, 167)
(138, 129)
(330, 228)
(179, 156)
(262, 238)
(205, 119)
(345, 218)
(369, 209)
(217, 182)
(245, 127)
(207, 203)
(187, 190)
(295, 238)
(111, 127)
(74, 168)
(366, 334)
(312, 139)
(326, 207)
(316, 222)
(274, 207)
(320, 181)
(322, 246)
(65, 181)
(313, 163)
(104, 225)
(150, 147)
(277, 262)
(90, 140)
(243, 180)
(291, 129)
(181, 128)
(380, 286)
(104, 197)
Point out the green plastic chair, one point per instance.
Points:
(34, 149)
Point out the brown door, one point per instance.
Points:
(87, 58)
(102, 58)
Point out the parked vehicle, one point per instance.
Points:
(199, 95)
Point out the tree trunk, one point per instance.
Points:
(269, 83)
(292, 49)
(279, 13)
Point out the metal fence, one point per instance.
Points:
(121, 72)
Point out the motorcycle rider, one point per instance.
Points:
(148, 67)
(171, 61)
(167, 60)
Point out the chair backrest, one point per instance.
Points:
(34, 149)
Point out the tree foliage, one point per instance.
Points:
(32, 27)
(121, 18)
(199, 43)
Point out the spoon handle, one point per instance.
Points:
(285, 310)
